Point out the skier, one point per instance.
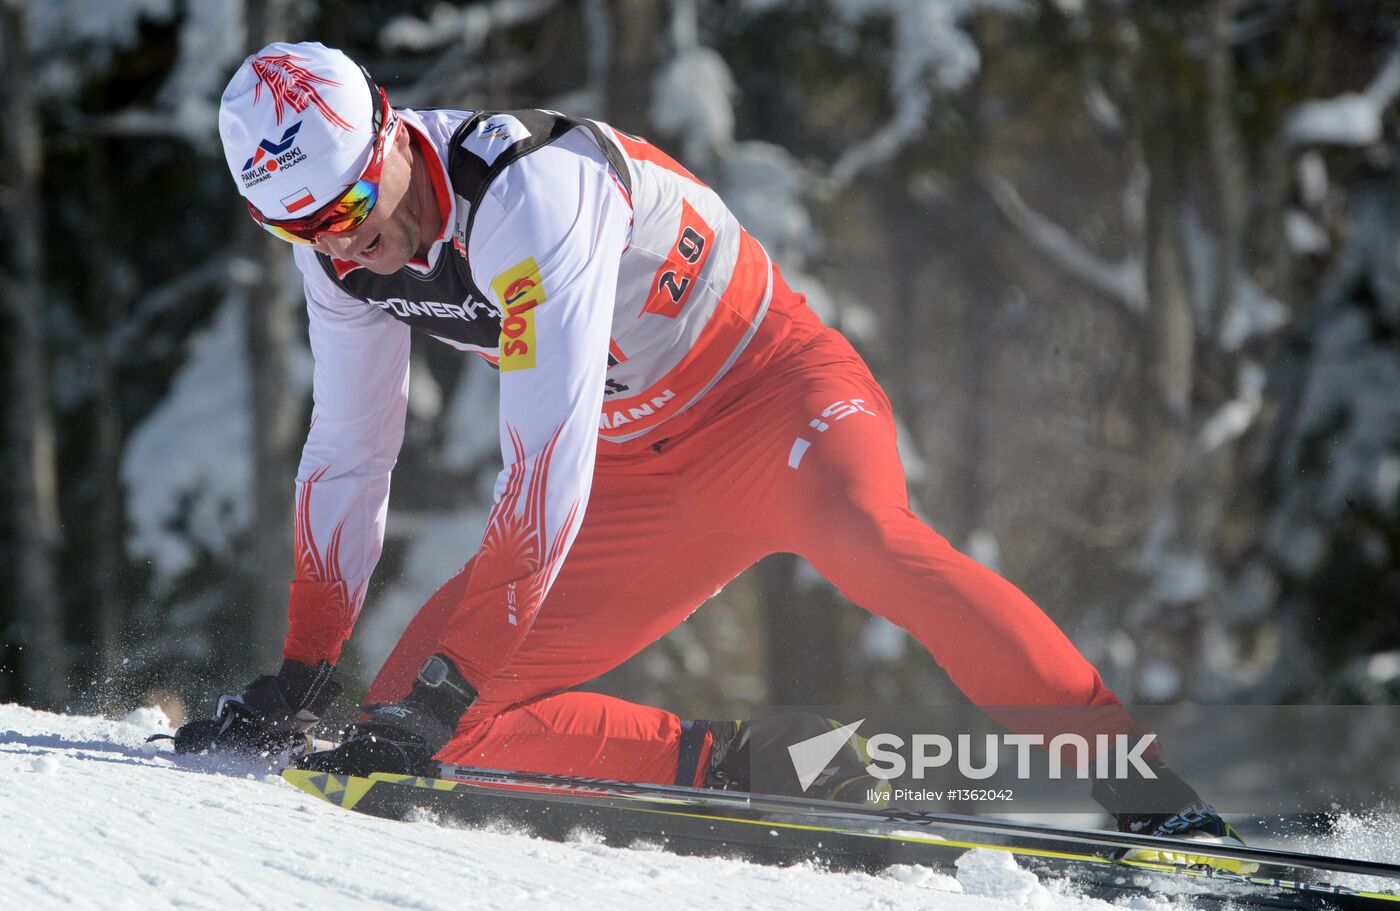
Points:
(670, 412)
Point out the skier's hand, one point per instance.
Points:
(268, 717)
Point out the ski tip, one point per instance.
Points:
(342, 790)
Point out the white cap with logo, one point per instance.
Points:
(297, 124)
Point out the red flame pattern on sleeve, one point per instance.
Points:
(293, 86)
(516, 549)
(341, 604)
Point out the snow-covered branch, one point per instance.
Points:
(1124, 281)
(462, 29)
(693, 95)
(1350, 119)
(458, 36)
(173, 295)
(182, 125)
(931, 51)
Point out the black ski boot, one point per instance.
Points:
(843, 778)
(1168, 807)
(274, 714)
(402, 737)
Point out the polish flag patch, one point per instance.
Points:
(298, 200)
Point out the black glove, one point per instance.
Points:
(402, 737)
(271, 715)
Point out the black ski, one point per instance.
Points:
(782, 831)
(855, 813)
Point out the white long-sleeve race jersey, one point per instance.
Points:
(610, 286)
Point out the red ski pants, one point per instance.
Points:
(794, 451)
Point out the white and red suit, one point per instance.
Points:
(671, 412)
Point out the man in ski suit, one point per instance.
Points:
(670, 413)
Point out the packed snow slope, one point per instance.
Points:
(92, 816)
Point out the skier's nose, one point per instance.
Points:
(339, 246)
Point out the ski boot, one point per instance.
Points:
(844, 777)
(401, 737)
(274, 715)
(1136, 808)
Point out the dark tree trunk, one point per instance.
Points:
(786, 658)
(640, 34)
(105, 306)
(982, 289)
(1226, 172)
(1169, 329)
(29, 434)
(802, 635)
(269, 332)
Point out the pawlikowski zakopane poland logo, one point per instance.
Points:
(273, 148)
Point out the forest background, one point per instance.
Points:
(1130, 272)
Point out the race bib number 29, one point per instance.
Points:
(676, 278)
(520, 290)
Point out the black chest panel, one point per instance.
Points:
(446, 301)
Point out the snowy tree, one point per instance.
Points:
(34, 523)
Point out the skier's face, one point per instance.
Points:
(402, 222)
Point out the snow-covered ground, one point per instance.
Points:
(92, 816)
